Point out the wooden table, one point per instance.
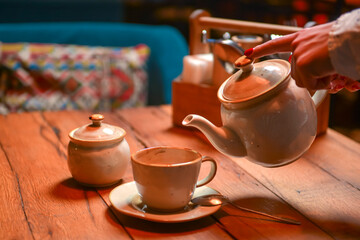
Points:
(40, 200)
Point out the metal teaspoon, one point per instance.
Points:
(218, 199)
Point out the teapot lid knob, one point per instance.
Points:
(245, 63)
(96, 119)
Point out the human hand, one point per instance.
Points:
(311, 66)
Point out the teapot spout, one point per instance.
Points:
(222, 138)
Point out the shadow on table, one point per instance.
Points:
(117, 218)
(338, 227)
(316, 227)
(70, 189)
(269, 206)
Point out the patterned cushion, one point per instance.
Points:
(58, 77)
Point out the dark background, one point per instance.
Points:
(345, 106)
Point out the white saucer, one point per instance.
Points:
(126, 200)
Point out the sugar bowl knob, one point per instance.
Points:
(96, 119)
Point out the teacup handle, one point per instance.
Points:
(319, 97)
(211, 174)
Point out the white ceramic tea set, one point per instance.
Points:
(166, 178)
(266, 118)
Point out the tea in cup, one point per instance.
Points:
(166, 177)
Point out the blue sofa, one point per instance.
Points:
(167, 45)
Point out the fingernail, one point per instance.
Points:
(249, 52)
(290, 58)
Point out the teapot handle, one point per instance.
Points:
(319, 96)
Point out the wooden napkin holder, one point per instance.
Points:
(188, 98)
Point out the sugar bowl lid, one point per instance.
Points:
(97, 133)
(253, 80)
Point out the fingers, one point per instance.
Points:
(323, 82)
(294, 73)
(281, 44)
(303, 78)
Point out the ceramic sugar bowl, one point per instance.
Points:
(98, 154)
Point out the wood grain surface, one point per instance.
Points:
(40, 200)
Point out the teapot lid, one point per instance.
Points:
(97, 132)
(253, 80)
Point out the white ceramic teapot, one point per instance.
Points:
(266, 117)
(98, 154)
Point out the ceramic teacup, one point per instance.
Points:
(166, 177)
